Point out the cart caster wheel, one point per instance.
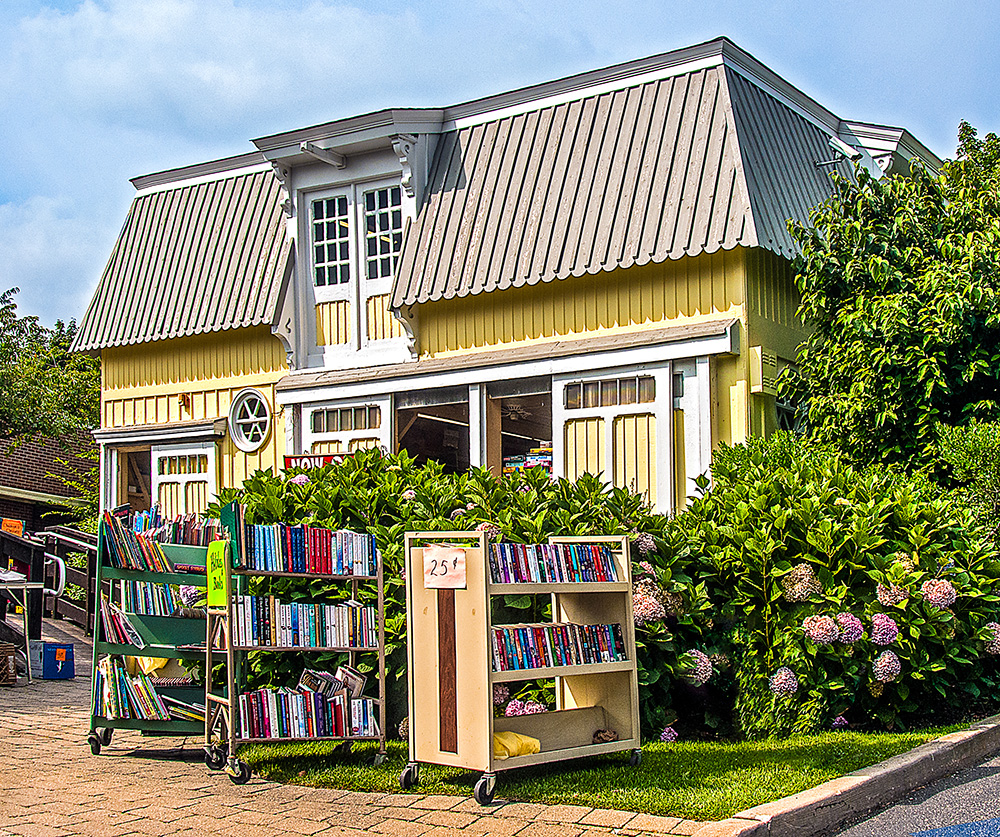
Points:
(106, 735)
(409, 777)
(215, 758)
(379, 759)
(94, 740)
(485, 789)
(240, 773)
(635, 759)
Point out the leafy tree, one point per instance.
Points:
(44, 388)
(900, 284)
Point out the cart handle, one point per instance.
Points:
(60, 566)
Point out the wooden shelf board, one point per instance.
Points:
(330, 576)
(194, 579)
(566, 753)
(166, 727)
(166, 651)
(301, 648)
(560, 671)
(309, 738)
(518, 589)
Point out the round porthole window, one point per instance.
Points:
(249, 420)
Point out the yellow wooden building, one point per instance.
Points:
(598, 266)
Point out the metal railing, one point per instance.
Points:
(62, 542)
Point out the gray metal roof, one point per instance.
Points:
(668, 168)
(193, 259)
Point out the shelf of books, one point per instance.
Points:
(144, 631)
(322, 705)
(586, 650)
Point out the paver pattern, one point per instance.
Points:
(51, 785)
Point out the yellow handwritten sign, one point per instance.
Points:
(444, 567)
(215, 567)
(12, 527)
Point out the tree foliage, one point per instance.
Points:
(900, 285)
(44, 388)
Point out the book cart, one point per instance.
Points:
(169, 637)
(452, 672)
(223, 730)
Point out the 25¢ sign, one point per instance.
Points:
(444, 567)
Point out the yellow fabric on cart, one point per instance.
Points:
(509, 744)
(147, 665)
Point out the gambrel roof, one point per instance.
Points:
(668, 167)
(201, 255)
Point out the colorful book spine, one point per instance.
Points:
(517, 647)
(266, 622)
(301, 713)
(515, 563)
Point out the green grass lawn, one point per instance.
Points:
(692, 779)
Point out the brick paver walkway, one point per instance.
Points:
(50, 784)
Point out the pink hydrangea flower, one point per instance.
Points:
(646, 609)
(300, 479)
(493, 532)
(644, 543)
(784, 682)
(409, 494)
(939, 593)
(702, 671)
(884, 629)
(647, 568)
(823, 630)
(840, 722)
(993, 644)
(669, 735)
(851, 629)
(886, 667)
(501, 693)
(889, 595)
(800, 583)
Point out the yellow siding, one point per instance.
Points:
(687, 290)
(680, 462)
(635, 454)
(333, 323)
(381, 323)
(585, 447)
(772, 304)
(327, 447)
(196, 378)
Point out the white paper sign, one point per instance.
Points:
(444, 567)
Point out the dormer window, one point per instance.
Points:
(331, 234)
(383, 231)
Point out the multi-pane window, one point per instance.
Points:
(331, 241)
(633, 390)
(383, 231)
(192, 464)
(339, 420)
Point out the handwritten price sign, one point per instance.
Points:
(444, 567)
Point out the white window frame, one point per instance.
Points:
(344, 437)
(247, 447)
(360, 289)
(187, 449)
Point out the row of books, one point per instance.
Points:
(124, 549)
(294, 713)
(518, 647)
(278, 547)
(149, 598)
(182, 710)
(514, 563)
(118, 628)
(119, 695)
(188, 529)
(264, 621)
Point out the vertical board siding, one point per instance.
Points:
(646, 296)
(635, 454)
(382, 325)
(771, 291)
(333, 323)
(585, 452)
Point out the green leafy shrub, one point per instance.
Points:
(388, 495)
(973, 454)
(790, 532)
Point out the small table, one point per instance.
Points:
(12, 582)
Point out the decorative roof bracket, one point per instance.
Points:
(404, 145)
(282, 173)
(324, 155)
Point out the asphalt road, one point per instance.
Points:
(966, 804)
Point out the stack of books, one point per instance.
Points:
(300, 713)
(266, 622)
(127, 550)
(187, 529)
(182, 710)
(514, 563)
(278, 547)
(517, 647)
(117, 626)
(149, 598)
(120, 696)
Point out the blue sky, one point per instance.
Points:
(95, 92)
